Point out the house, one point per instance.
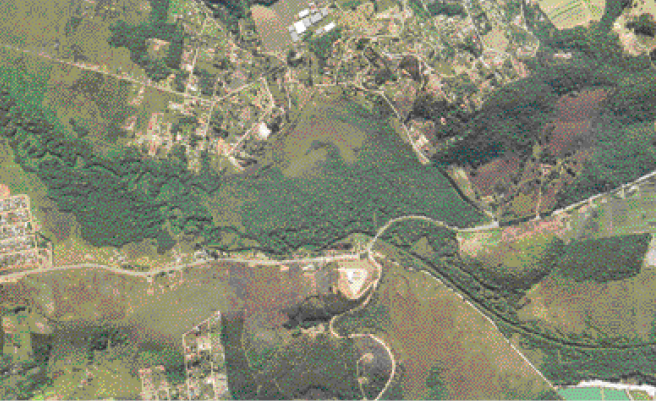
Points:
(263, 131)
(130, 123)
(304, 13)
(316, 18)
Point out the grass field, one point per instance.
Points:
(596, 311)
(596, 8)
(496, 39)
(566, 13)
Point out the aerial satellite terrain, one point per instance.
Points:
(328, 199)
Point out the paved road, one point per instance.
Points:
(331, 328)
(98, 70)
(151, 274)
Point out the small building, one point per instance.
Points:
(299, 26)
(329, 27)
(263, 131)
(307, 22)
(314, 18)
(304, 13)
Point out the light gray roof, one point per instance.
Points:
(294, 36)
(316, 18)
(307, 22)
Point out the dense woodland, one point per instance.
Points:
(134, 39)
(511, 119)
(125, 197)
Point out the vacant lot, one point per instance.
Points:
(272, 30)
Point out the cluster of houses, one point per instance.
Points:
(18, 247)
(307, 18)
(205, 361)
(154, 384)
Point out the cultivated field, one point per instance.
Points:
(566, 13)
(272, 30)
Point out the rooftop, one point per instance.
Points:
(300, 26)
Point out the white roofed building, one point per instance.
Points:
(263, 131)
(299, 26)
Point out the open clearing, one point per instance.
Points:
(447, 350)
(272, 30)
(566, 14)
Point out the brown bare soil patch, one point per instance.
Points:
(572, 123)
(497, 172)
(274, 34)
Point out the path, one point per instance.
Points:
(151, 274)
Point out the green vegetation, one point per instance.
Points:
(449, 9)
(283, 213)
(438, 390)
(643, 25)
(604, 259)
(322, 45)
(134, 38)
(440, 242)
(511, 119)
(117, 199)
(516, 265)
(324, 362)
(240, 375)
(624, 152)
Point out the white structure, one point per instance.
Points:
(299, 26)
(329, 27)
(315, 18)
(354, 280)
(263, 131)
(304, 13)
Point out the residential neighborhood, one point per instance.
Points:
(18, 243)
(205, 361)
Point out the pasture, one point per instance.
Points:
(448, 350)
(566, 14)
